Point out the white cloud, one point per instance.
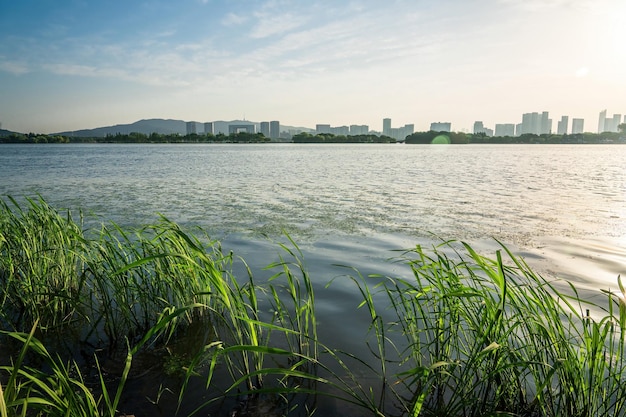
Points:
(234, 19)
(14, 67)
(269, 25)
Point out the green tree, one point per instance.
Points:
(622, 127)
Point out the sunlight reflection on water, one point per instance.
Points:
(559, 203)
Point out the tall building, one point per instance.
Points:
(506, 129)
(387, 127)
(441, 126)
(359, 130)
(191, 128)
(609, 124)
(562, 125)
(578, 126)
(546, 123)
(265, 129)
(479, 127)
(612, 125)
(602, 121)
(536, 123)
(274, 129)
(208, 128)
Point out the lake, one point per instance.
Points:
(562, 207)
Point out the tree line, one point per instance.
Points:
(331, 138)
(245, 137)
(136, 137)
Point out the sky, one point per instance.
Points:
(79, 64)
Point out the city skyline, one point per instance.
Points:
(537, 123)
(68, 66)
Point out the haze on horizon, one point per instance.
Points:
(83, 63)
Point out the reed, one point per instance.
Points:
(39, 256)
(465, 335)
(485, 338)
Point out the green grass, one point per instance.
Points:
(466, 335)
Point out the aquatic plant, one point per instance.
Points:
(460, 335)
(485, 337)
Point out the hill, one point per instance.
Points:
(4, 132)
(162, 126)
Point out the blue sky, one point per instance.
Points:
(73, 64)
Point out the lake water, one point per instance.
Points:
(561, 207)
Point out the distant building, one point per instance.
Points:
(562, 125)
(191, 128)
(340, 130)
(536, 124)
(274, 129)
(612, 125)
(578, 126)
(265, 129)
(387, 127)
(359, 130)
(322, 129)
(208, 128)
(609, 124)
(602, 121)
(505, 129)
(479, 127)
(441, 126)
(546, 124)
(249, 128)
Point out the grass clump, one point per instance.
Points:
(482, 337)
(460, 335)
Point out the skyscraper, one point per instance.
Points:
(602, 121)
(191, 128)
(578, 126)
(265, 129)
(536, 123)
(479, 127)
(387, 127)
(274, 129)
(562, 126)
(208, 128)
(546, 124)
(612, 125)
(506, 129)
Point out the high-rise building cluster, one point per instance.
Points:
(537, 123)
(398, 133)
(540, 124)
(268, 129)
(351, 130)
(609, 124)
(532, 123)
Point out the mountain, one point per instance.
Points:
(4, 132)
(162, 126)
(147, 127)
